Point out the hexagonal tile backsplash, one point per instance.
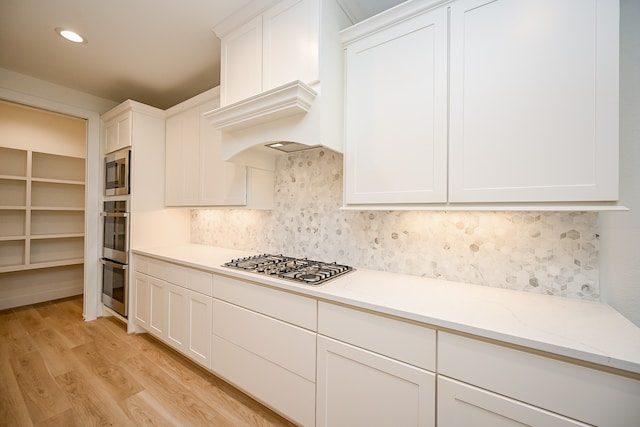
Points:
(545, 252)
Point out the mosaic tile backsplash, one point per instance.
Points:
(544, 252)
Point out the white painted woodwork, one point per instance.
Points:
(158, 308)
(177, 321)
(195, 172)
(280, 44)
(526, 103)
(285, 392)
(533, 101)
(396, 113)
(276, 47)
(241, 59)
(290, 43)
(291, 308)
(41, 209)
(360, 388)
(407, 342)
(460, 404)
(140, 289)
(588, 395)
(174, 303)
(288, 346)
(118, 132)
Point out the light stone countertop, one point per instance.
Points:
(584, 330)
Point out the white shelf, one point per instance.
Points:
(42, 211)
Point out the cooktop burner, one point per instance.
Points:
(297, 269)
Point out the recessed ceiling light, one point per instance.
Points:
(71, 35)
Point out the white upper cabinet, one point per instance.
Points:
(396, 113)
(118, 132)
(276, 47)
(515, 104)
(195, 173)
(534, 101)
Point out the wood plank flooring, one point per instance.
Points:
(58, 370)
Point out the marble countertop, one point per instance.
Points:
(584, 330)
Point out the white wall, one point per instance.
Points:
(620, 231)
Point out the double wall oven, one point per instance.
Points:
(115, 236)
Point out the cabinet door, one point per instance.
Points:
(141, 287)
(198, 325)
(396, 114)
(118, 133)
(177, 317)
(182, 159)
(534, 101)
(460, 404)
(290, 43)
(360, 388)
(219, 183)
(157, 308)
(241, 60)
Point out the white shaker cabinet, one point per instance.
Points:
(512, 102)
(174, 304)
(118, 132)
(276, 47)
(460, 404)
(396, 113)
(264, 342)
(496, 385)
(534, 101)
(373, 370)
(195, 172)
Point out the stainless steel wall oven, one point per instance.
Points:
(115, 253)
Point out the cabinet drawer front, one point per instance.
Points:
(168, 272)
(291, 308)
(141, 264)
(400, 340)
(285, 392)
(575, 391)
(199, 281)
(460, 404)
(283, 344)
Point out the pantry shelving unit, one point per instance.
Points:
(41, 210)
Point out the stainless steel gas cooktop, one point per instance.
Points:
(297, 269)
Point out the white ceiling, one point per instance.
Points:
(159, 52)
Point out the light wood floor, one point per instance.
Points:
(57, 370)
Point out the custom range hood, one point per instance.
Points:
(281, 80)
(289, 118)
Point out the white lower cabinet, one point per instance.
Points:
(361, 388)
(264, 342)
(460, 404)
(168, 307)
(495, 385)
(376, 375)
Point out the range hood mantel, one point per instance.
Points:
(284, 101)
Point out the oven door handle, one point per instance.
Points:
(115, 214)
(113, 264)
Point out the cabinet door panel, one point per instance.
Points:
(396, 114)
(533, 101)
(460, 404)
(241, 59)
(141, 289)
(360, 388)
(158, 308)
(290, 43)
(177, 317)
(199, 328)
